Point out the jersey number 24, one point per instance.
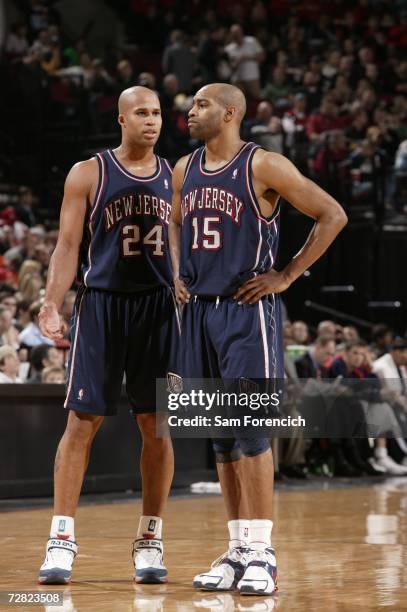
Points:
(132, 240)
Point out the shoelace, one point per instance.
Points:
(59, 557)
(149, 555)
(259, 555)
(235, 554)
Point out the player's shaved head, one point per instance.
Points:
(134, 96)
(139, 116)
(227, 95)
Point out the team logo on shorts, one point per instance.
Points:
(174, 383)
(248, 386)
(81, 394)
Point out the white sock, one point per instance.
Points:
(150, 527)
(63, 527)
(260, 533)
(380, 452)
(238, 532)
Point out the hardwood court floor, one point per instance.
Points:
(338, 550)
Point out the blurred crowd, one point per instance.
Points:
(25, 250)
(326, 81)
(346, 386)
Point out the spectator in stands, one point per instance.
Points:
(350, 333)
(17, 42)
(38, 17)
(73, 52)
(23, 314)
(314, 363)
(9, 301)
(30, 280)
(8, 333)
(294, 123)
(170, 89)
(53, 375)
(357, 130)
(327, 328)
(80, 74)
(146, 79)
(325, 119)
(125, 75)
(68, 304)
(31, 335)
(349, 413)
(349, 364)
(329, 163)
(278, 88)
(25, 250)
(9, 365)
(399, 191)
(300, 332)
(43, 43)
(382, 338)
(211, 56)
(41, 357)
(368, 171)
(331, 67)
(180, 59)
(265, 129)
(24, 208)
(391, 369)
(245, 56)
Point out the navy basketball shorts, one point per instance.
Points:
(220, 339)
(117, 334)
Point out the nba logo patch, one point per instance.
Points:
(151, 525)
(166, 183)
(248, 386)
(61, 525)
(246, 532)
(174, 383)
(235, 173)
(80, 394)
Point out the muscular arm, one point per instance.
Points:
(79, 186)
(174, 229)
(275, 172)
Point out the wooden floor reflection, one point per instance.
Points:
(337, 550)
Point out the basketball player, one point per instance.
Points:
(114, 222)
(223, 239)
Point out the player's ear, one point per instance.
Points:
(230, 112)
(120, 120)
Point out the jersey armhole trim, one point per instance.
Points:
(189, 163)
(167, 163)
(101, 188)
(252, 196)
(101, 183)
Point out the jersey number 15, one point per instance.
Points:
(204, 235)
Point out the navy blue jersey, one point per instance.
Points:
(225, 240)
(125, 245)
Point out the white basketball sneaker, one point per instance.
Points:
(59, 557)
(260, 576)
(148, 561)
(225, 572)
